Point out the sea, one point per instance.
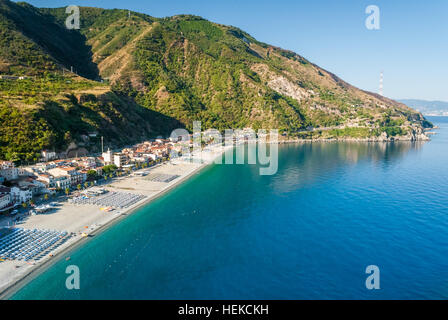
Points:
(310, 231)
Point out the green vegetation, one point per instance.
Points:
(109, 169)
(205, 83)
(92, 175)
(23, 135)
(41, 88)
(25, 32)
(163, 74)
(393, 127)
(351, 132)
(394, 131)
(52, 112)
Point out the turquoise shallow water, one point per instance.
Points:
(307, 232)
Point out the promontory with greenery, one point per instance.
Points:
(135, 77)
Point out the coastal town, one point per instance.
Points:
(22, 187)
(48, 207)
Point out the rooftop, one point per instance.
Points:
(4, 189)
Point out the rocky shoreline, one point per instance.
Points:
(417, 134)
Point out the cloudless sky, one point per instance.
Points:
(411, 48)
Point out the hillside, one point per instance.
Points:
(166, 73)
(31, 42)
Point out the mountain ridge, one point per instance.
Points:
(428, 107)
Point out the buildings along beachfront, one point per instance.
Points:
(18, 185)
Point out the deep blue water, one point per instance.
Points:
(307, 232)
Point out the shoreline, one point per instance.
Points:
(32, 272)
(23, 279)
(364, 140)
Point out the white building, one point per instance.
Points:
(7, 165)
(5, 198)
(44, 167)
(120, 160)
(20, 195)
(108, 157)
(47, 179)
(35, 186)
(62, 182)
(86, 162)
(25, 172)
(48, 155)
(60, 163)
(151, 156)
(8, 170)
(74, 175)
(5, 202)
(141, 159)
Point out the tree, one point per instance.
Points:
(24, 205)
(67, 191)
(79, 187)
(46, 197)
(86, 185)
(109, 169)
(92, 175)
(68, 137)
(14, 157)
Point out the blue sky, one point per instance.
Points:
(411, 47)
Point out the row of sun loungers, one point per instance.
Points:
(161, 177)
(111, 199)
(22, 244)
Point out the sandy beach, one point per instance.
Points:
(90, 219)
